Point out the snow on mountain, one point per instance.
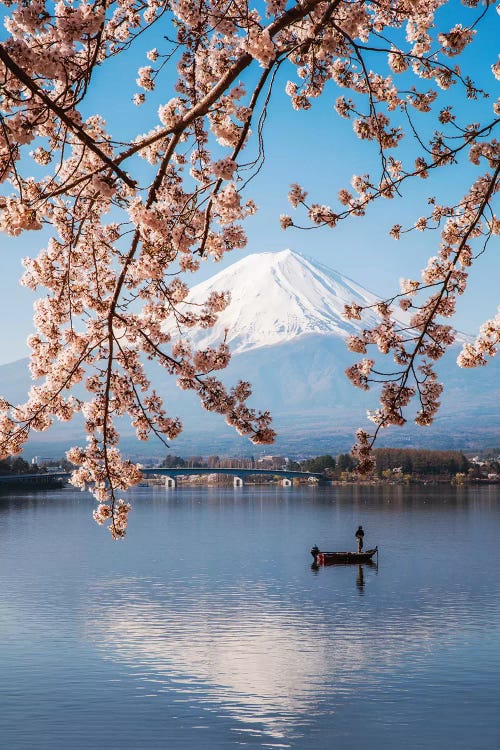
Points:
(286, 334)
(277, 297)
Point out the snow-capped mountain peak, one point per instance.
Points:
(277, 297)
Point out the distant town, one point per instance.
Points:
(394, 466)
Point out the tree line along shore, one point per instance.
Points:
(393, 465)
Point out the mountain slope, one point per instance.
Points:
(287, 336)
(278, 297)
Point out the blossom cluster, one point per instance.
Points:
(114, 276)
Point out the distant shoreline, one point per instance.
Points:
(44, 482)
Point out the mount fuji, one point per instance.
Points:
(286, 333)
(278, 298)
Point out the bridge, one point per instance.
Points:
(237, 473)
(170, 475)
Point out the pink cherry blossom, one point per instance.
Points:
(130, 221)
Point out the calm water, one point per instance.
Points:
(207, 628)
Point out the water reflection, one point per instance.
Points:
(250, 655)
(360, 580)
(206, 628)
(360, 576)
(257, 661)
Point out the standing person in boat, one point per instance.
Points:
(359, 538)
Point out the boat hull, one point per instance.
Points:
(344, 558)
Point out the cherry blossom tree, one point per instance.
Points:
(129, 222)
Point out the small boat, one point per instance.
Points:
(342, 558)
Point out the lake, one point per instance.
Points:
(207, 627)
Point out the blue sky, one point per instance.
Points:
(321, 152)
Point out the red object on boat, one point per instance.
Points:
(342, 558)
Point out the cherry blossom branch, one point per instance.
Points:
(76, 129)
(202, 107)
(244, 132)
(394, 400)
(116, 265)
